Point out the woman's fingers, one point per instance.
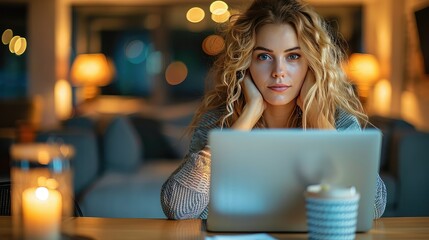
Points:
(252, 94)
(249, 87)
(254, 108)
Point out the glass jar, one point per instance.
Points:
(42, 191)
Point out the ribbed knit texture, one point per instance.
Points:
(186, 192)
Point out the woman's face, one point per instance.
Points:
(278, 67)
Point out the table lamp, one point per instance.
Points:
(42, 192)
(91, 71)
(363, 69)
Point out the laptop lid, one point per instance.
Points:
(258, 178)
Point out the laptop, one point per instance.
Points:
(258, 178)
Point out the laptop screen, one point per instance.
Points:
(258, 178)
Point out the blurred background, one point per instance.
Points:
(140, 65)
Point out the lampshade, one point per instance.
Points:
(91, 70)
(363, 69)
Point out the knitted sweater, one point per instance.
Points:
(185, 194)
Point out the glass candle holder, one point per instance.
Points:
(42, 191)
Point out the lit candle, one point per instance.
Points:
(41, 209)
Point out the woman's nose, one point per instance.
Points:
(278, 71)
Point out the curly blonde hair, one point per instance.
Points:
(331, 90)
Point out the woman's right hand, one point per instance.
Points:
(253, 97)
(254, 108)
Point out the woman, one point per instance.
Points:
(280, 69)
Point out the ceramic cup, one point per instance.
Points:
(331, 212)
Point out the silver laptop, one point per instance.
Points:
(258, 178)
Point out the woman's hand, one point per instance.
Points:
(309, 81)
(252, 95)
(254, 108)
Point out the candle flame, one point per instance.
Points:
(42, 193)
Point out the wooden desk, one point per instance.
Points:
(85, 228)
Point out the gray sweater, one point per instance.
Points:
(186, 192)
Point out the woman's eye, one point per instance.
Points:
(263, 57)
(294, 56)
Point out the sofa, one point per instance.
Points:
(404, 166)
(121, 162)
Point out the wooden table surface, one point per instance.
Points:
(84, 228)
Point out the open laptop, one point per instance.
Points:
(258, 178)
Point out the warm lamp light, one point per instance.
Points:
(363, 69)
(381, 97)
(63, 99)
(91, 71)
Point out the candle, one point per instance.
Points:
(41, 209)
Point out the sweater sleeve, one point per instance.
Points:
(185, 194)
(380, 198)
(347, 122)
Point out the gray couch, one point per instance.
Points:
(404, 167)
(119, 165)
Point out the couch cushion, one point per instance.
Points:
(392, 128)
(129, 195)
(122, 147)
(151, 135)
(81, 122)
(85, 162)
(414, 177)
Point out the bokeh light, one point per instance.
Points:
(17, 45)
(382, 94)
(6, 36)
(195, 15)
(176, 73)
(222, 17)
(20, 46)
(154, 63)
(41, 181)
(12, 43)
(136, 51)
(43, 157)
(218, 7)
(213, 44)
(63, 102)
(51, 183)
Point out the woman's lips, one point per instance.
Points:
(279, 88)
